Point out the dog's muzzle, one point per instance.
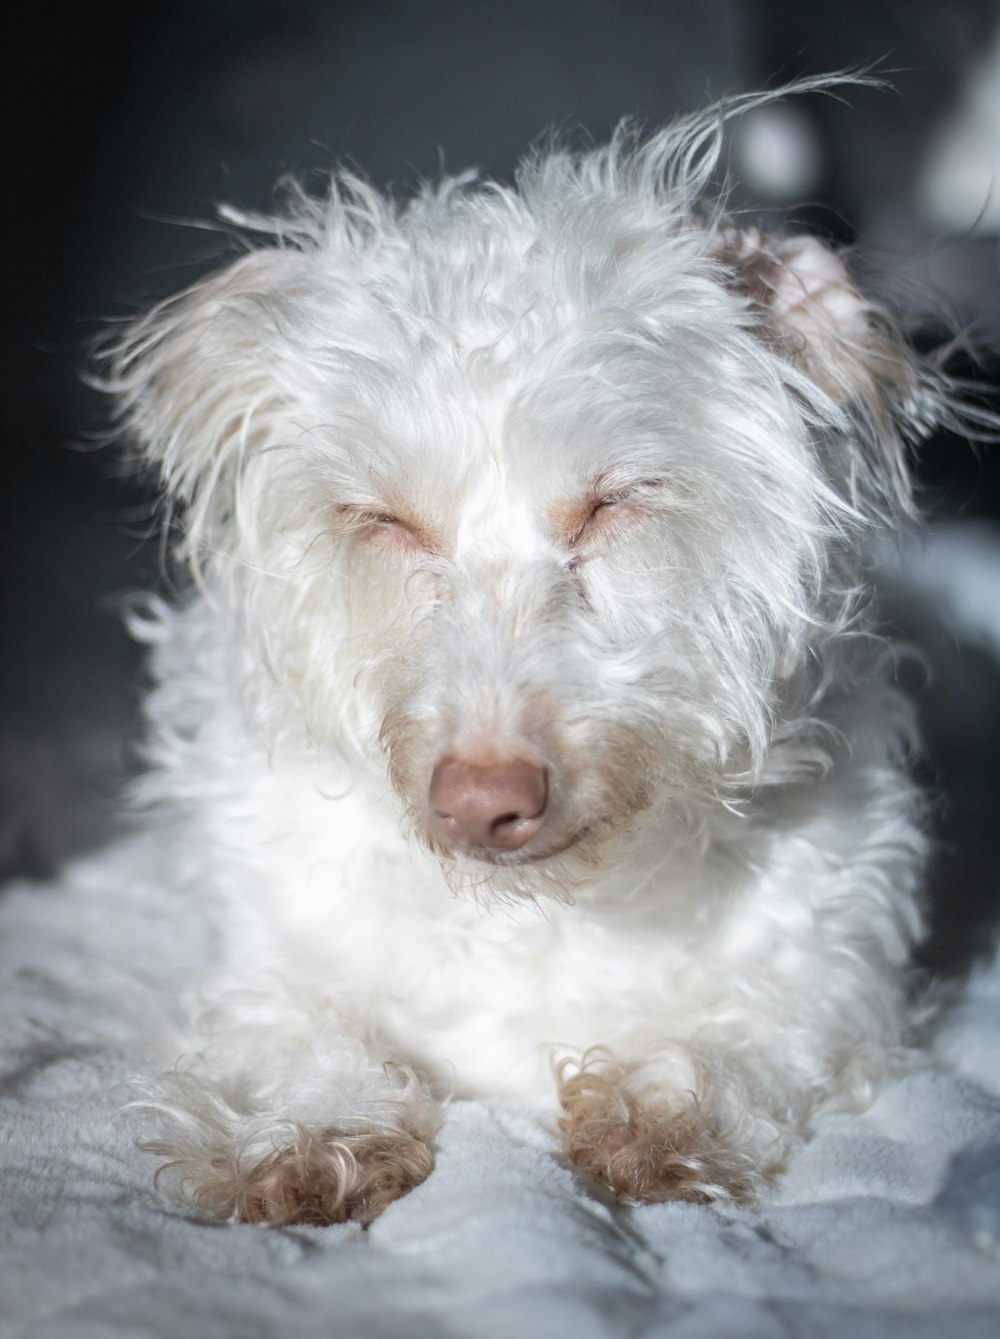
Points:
(487, 808)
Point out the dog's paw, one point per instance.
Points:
(642, 1147)
(316, 1179)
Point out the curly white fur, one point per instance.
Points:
(566, 485)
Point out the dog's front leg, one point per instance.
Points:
(668, 1127)
(714, 1117)
(287, 1109)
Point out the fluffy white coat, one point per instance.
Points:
(573, 477)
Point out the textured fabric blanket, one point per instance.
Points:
(888, 1223)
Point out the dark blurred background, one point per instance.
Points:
(125, 124)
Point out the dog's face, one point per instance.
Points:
(540, 504)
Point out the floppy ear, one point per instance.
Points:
(846, 346)
(197, 384)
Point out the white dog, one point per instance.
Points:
(525, 728)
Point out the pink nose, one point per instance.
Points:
(494, 806)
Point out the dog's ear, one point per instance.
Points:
(846, 346)
(199, 391)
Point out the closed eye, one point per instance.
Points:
(384, 527)
(600, 515)
(611, 500)
(379, 518)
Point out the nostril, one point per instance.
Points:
(511, 831)
(506, 819)
(496, 806)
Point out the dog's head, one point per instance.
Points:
(546, 499)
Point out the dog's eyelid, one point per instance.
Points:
(375, 521)
(381, 518)
(357, 513)
(610, 500)
(610, 497)
(361, 514)
(604, 498)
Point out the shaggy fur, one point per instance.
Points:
(525, 702)
(313, 1178)
(649, 1145)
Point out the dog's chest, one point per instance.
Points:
(483, 995)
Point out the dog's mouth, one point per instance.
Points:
(507, 859)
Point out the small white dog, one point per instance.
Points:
(525, 726)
